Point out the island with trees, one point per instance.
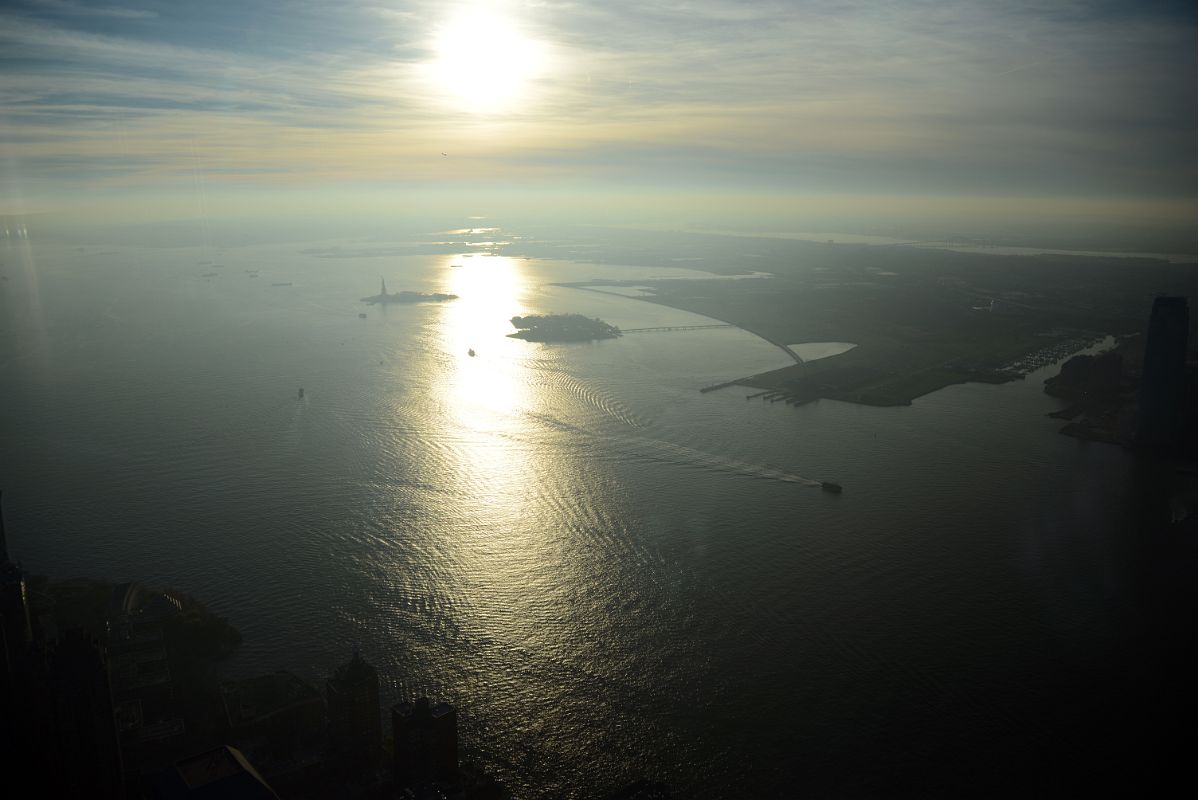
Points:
(562, 328)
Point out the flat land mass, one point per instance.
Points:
(922, 318)
(562, 328)
(409, 297)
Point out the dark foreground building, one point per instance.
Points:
(426, 741)
(1162, 416)
(57, 717)
(14, 602)
(355, 724)
(222, 772)
(87, 746)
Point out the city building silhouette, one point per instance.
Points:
(276, 720)
(355, 723)
(426, 741)
(87, 748)
(223, 772)
(14, 598)
(14, 646)
(100, 710)
(1161, 420)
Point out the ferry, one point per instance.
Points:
(830, 486)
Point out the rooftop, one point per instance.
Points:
(355, 670)
(223, 772)
(254, 698)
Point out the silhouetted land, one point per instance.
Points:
(922, 318)
(192, 632)
(1101, 392)
(409, 297)
(562, 328)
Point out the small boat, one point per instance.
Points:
(361, 316)
(301, 393)
(470, 352)
(830, 486)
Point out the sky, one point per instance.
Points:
(890, 109)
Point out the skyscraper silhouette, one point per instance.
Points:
(426, 741)
(14, 601)
(355, 724)
(1163, 385)
(87, 747)
(15, 638)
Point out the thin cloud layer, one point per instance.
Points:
(893, 98)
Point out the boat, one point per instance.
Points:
(301, 393)
(470, 352)
(361, 316)
(831, 486)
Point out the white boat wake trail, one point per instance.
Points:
(651, 449)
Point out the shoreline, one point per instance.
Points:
(795, 386)
(784, 348)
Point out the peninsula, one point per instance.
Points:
(407, 297)
(922, 318)
(562, 328)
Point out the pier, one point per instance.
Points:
(723, 385)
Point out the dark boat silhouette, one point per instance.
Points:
(830, 486)
(470, 352)
(301, 393)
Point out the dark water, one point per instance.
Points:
(611, 574)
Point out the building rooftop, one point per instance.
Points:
(220, 773)
(356, 670)
(420, 709)
(254, 698)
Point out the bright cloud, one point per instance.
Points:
(909, 96)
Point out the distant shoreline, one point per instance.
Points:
(806, 381)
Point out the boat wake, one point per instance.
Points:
(647, 448)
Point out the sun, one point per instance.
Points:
(484, 63)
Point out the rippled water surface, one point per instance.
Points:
(610, 573)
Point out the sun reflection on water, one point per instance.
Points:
(497, 541)
(486, 390)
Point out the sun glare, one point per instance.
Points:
(484, 63)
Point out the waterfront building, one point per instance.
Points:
(355, 724)
(223, 772)
(14, 599)
(17, 702)
(426, 741)
(148, 713)
(278, 708)
(86, 745)
(1162, 416)
(278, 722)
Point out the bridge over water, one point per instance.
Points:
(662, 328)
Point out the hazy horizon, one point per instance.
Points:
(963, 119)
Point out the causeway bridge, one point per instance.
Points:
(663, 328)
